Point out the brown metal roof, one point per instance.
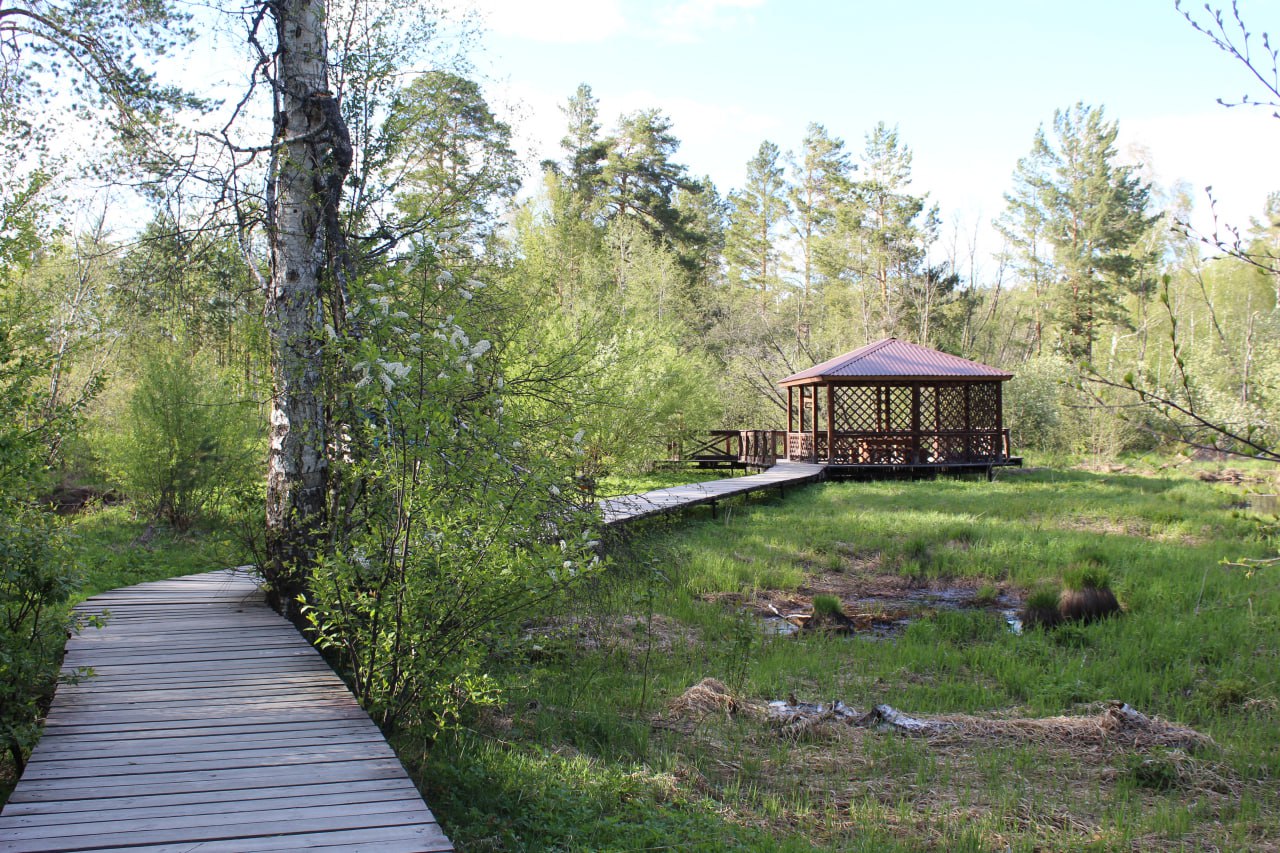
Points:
(895, 359)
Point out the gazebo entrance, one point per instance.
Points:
(893, 404)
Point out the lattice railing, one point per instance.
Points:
(855, 407)
(901, 448)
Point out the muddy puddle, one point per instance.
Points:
(885, 616)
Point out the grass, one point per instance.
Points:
(584, 754)
(631, 484)
(582, 734)
(115, 549)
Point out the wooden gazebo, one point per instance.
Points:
(898, 405)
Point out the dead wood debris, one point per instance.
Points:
(1117, 724)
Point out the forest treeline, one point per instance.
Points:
(481, 344)
(640, 303)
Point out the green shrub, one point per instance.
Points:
(987, 594)
(36, 579)
(1040, 610)
(1087, 577)
(826, 605)
(184, 439)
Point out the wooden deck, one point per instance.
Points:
(210, 725)
(627, 508)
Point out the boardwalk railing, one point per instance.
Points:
(755, 448)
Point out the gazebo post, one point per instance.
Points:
(1000, 421)
(814, 422)
(968, 426)
(915, 423)
(831, 429)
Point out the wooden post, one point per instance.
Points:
(937, 423)
(968, 426)
(831, 427)
(915, 423)
(815, 423)
(1000, 449)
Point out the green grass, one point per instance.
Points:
(113, 549)
(631, 484)
(1199, 645)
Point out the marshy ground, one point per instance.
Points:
(592, 748)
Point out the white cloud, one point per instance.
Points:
(687, 20)
(556, 21)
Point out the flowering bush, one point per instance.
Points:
(451, 514)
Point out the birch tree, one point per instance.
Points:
(310, 158)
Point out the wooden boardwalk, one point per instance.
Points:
(210, 725)
(632, 507)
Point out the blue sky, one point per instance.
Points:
(967, 83)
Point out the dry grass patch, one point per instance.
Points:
(1006, 777)
(628, 633)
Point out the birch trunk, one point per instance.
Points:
(311, 160)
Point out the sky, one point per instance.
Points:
(966, 83)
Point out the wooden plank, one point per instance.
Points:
(90, 736)
(217, 780)
(208, 724)
(63, 749)
(145, 767)
(381, 840)
(55, 810)
(397, 804)
(210, 744)
(632, 507)
(242, 833)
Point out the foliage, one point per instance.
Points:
(91, 52)
(451, 513)
(1035, 404)
(36, 578)
(185, 438)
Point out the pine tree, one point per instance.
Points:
(820, 181)
(1091, 214)
(755, 218)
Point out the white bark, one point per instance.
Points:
(311, 160)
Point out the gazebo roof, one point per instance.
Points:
(892, 359)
